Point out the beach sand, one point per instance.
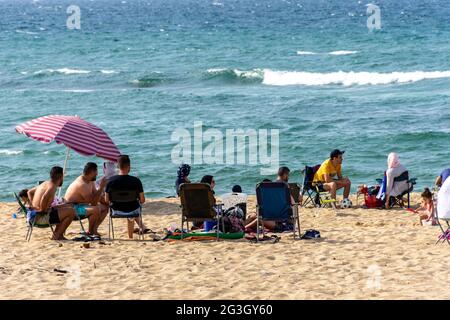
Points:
(363, 254)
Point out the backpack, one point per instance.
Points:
(232, 221)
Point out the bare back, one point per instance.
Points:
(80, 191)
(43, 196)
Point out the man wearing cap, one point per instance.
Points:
(329, 175)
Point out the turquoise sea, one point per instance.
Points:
(310, 68)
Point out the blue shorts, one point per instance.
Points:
(80, 209)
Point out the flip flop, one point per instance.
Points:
(83, 238)
(146, 231)
(95, 237)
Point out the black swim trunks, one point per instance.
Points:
(54, 216)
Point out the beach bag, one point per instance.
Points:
(370, 197)
(232, 221)
(311, 234)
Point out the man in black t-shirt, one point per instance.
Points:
(125, 182)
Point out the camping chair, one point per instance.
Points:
(198, 205)
(274, 204)
(235, 199)
(120, 196)
(307, 187)
(314, 193)
(32, 223)
(398, 200)
(445, 232)
(295, 189)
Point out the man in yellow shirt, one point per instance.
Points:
(330, 177)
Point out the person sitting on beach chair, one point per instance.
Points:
(182, 176)
(329, 176)
(251, 221)
(85, 198)
(394, 187)
(125, 182)
(442, 177)
(235, 199)
(41, 199)
(209, 180)
(23, 195)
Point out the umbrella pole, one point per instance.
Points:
(65, 168)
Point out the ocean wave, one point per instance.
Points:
(65, 71)
(108, 71)
(26, 32)
(151, 80)
(235, 75)
(342, 52)
(333, 53)
(8, 152)
(77, 90)
(285, 78)
(302, 53)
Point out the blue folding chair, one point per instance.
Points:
(274, 204)
(123, 196)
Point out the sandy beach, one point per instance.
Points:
(363, 254)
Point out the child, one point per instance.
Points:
(426, 210)
(23, 195)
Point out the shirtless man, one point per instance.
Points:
(86, 198)
(41, 198)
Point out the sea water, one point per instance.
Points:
(311, 69)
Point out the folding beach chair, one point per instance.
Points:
(274, 204)
(307, 188)
(31, 223)
(398, 200)
(121, 196)
(198, 205)
(445, 230)
(295, 190)
(315, 194)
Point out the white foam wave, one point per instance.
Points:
(302, 53)
(108, 71)
(285, 78)
(247, 74)
(66, 71)
(10, 152)
(78, 90)
(26, 32)
(342, 52)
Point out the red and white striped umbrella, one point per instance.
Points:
(72, 131)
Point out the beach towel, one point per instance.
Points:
(382, 192)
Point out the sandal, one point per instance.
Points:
(145, 231)
(83, 238)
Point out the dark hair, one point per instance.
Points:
(183, 170)
(427, 194)
(89, 167)
(283, 170)
(266, 180)
(56, 173)
(207, 179)
(23, 193)
(336, 153)
(123, 161)
(237, 189)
